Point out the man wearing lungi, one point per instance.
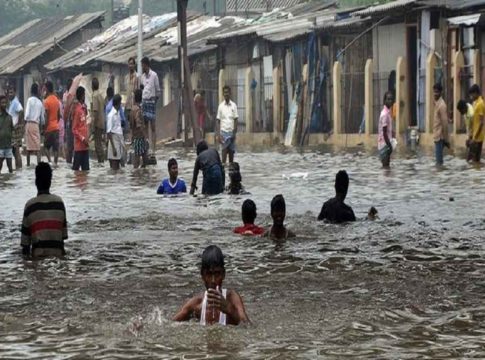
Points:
(151, 92)
(226, 125)
(34, 118)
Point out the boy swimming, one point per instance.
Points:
(173, 184)
(235, 186)
(278, 212)
(248, 217)
(216, 304)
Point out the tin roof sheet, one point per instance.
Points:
(160, 44)
(26, 43)
(258, 5)
(453, 4)
(393, 5)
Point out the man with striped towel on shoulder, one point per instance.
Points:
(44, 226)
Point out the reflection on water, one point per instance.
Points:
(408, 285)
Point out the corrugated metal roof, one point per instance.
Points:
(280, 25)
(113, 40)
(33, 39)
(453, 4)
(371, 10)
(160, 45)
(343, 23)
(258, 5)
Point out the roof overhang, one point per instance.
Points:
(466, 20)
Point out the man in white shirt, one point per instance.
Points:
(115, 134)
(151, 93)
(16, 111)
(226, 125)
(34, 118)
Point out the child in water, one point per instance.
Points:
(278, 212)
(215, 305)
(235, 186)
(248, 217)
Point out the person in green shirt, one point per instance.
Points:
(6, 129)
(478, 124)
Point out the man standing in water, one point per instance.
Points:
(53, 114)
(440, 124)
(67, 101)
(478, 124)
(385, 131)
(226, 125)
(201, 109)
(34, 118)
(132, 83)
(80, 132)
(114, 132)
(6, 130)
(44, 225)
(97, 116)
(335, 210)
(16, 111)
(209, 162)
(139, 141)
(151, 91)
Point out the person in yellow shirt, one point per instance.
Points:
(478, 124)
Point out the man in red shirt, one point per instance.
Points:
(80, 132)
(248, 217)
(53, 114)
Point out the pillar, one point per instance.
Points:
(402, 96)
(458, 63)
(476, 67)
(248, 99)
(429, 97)
(276, 100)
(369, 97)
(167, 89)
(222, 82)
(337, 98)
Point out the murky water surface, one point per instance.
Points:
(410, 285)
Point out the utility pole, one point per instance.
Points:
(112, 12)
(182, 48)
(139, 53)
(186, 105)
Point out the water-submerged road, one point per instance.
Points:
(409, 285)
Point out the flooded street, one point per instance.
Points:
(409, 285)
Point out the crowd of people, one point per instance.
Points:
(473, 114)
(44, 230)
(68, 124)
(69, 128)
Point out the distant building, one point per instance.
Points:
(25, 50)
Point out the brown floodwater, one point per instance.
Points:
(409, 285)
